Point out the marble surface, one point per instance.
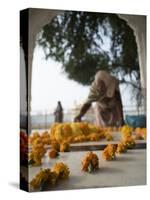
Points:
(127, 170)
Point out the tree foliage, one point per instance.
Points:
(78, 40)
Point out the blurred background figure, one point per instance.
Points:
(58, 112)
(105, 92)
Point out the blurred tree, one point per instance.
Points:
(85, 42)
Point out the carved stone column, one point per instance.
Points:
(138, 24)
(37, 19)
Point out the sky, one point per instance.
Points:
(50, 84)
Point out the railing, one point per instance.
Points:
(44, 119)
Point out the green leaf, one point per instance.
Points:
(90, 167)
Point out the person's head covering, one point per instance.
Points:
(111, 82)
(59, 106)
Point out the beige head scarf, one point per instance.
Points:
(111, 82)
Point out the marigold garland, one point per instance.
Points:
(61, 170)
(90, 162)
(109, 153)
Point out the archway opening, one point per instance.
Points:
(57, 68)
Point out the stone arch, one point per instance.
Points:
(40, 17)
(138, 24)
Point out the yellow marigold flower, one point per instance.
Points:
(44, 178)
(33, 137)
(61, 170)
(94, 137)
(53, 153)
(55, 145)
(140, 133)
(109, 152)
(84, 127)
(121, 148)
(64, 147)
(80, 138)
(90, 162)
(108, 136)
(129, 142)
